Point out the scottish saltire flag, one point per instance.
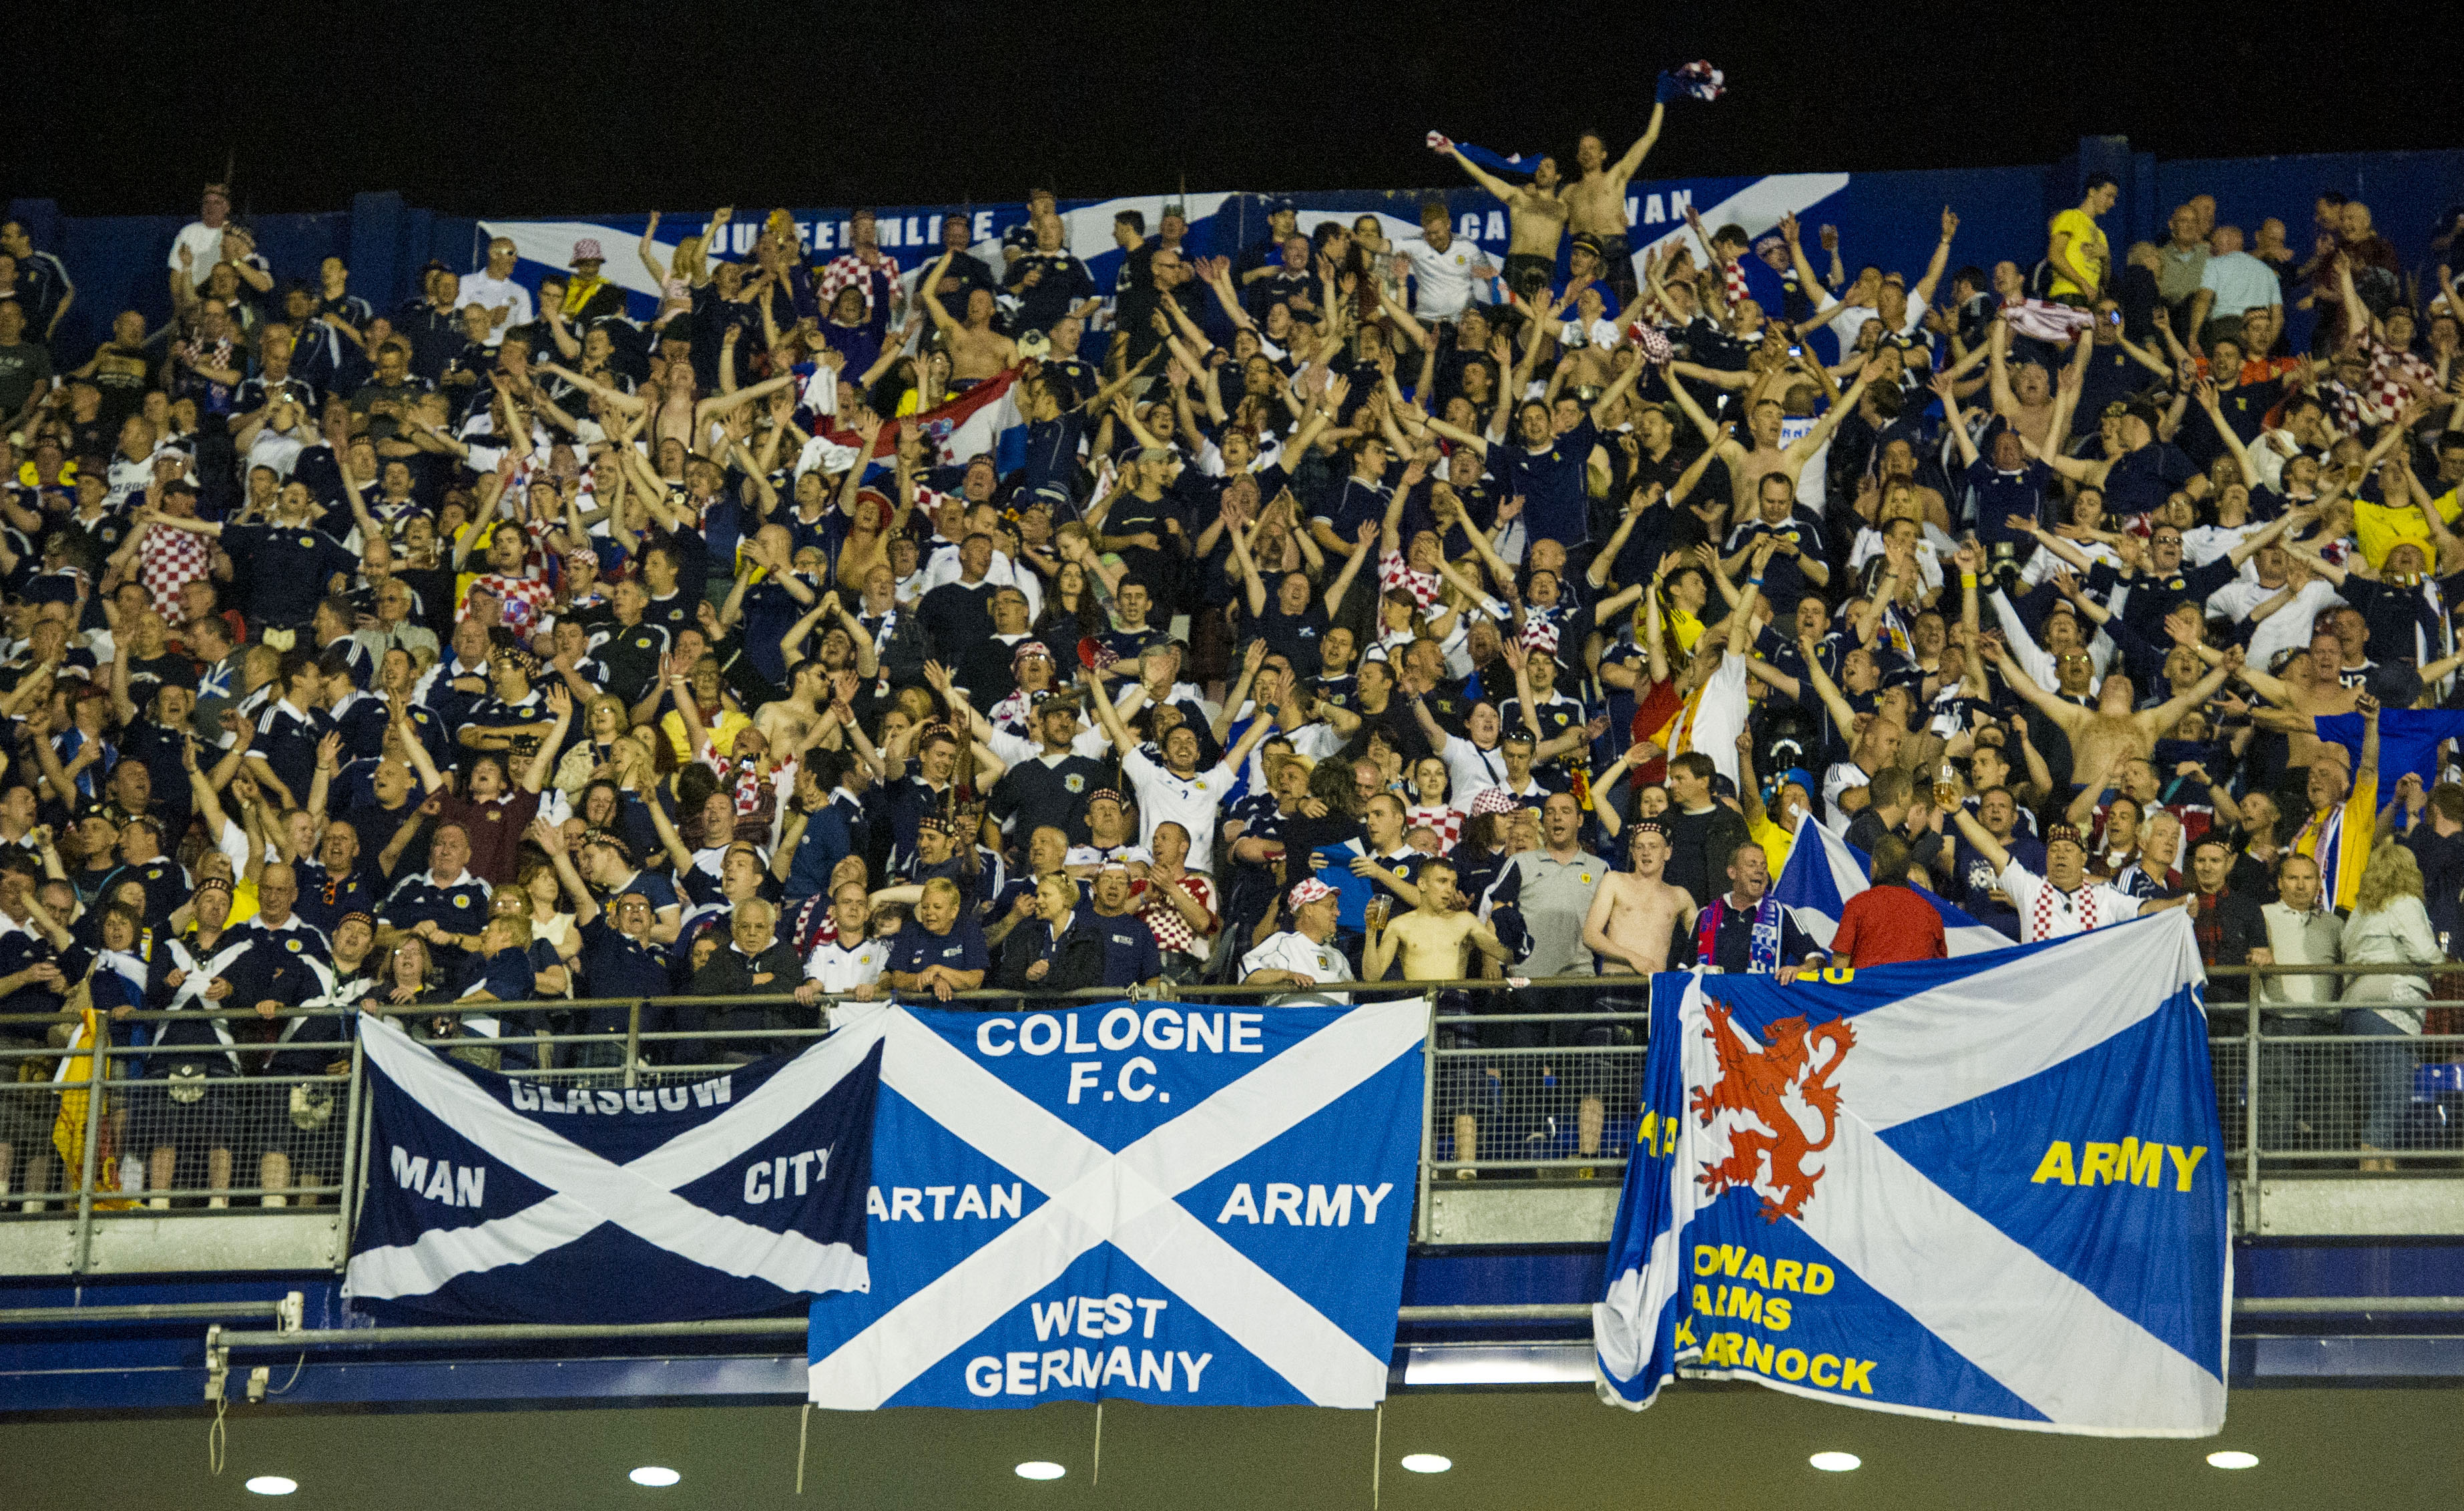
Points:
(1522, 165)
(1987, 1190)
(1166, 1202)
(491, 1198)
(1696, 81)
(1824, 871)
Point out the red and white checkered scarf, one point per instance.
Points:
(168, 561)
(1171, 930)
(2042, 917)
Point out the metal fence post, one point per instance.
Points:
(1423, 1227)
(633, 1045)
(100, 1051)
(2250, 1122)
(354, 1148)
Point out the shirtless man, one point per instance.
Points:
(1746, 468)
(1435, 939)
(2025, 401)
(1634, 919)
(977, 350)
(1637, 912)
(793, 721)
(1535, 217)
(2309, 691)
(1596, 201)
(1432, 937)
(2103, 737)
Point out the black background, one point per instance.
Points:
(574, 108)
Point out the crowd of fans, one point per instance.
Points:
(1359, 610)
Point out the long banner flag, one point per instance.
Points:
(1984, 1189)
(492, 1198)
(1165, 1202)
(1824, 871)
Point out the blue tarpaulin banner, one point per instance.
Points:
(1988, 1190)
(1167, 1202)
(493, 1198)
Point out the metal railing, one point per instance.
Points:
(1511, 1094)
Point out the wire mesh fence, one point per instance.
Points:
(1533, 1081)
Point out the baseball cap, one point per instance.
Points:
(1027, 648)
(1310, 891)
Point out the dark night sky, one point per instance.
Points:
(572, 108)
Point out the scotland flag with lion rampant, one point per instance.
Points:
(1988, 1190)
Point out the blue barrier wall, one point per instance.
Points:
(120, 262)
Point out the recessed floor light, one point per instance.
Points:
(1040, 1469)
(1835, 1464)
(272, 1485)
(2232, 1459)
(1427, 1463)
(657, 1476)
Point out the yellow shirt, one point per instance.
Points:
(722, 736)
(2380, 528)
(2087, 251)
(1775, 843)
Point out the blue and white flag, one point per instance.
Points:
(1189, 1204)
(1987, 1190)
(497, 1199)
(1824, 871)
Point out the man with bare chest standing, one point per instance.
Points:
(1634, 921)
(1595, 200)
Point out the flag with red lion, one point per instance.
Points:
(1984, 1188)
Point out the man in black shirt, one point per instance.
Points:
(1703, 833)
(956, 616)
(625, 659)
(1134, 290)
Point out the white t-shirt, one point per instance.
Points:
(1850, 320)
(1445, 277)
(1470, 770)
(1291, 950)
(1097, 855)
(1192, 802)
(945, 568)
(2203, 543)
(2285, 628)
(2046, 912)
(1720, 715)
(477, 288)
(839, 969)
(205, 244)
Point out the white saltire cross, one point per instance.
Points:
(1129, 1200)
(638, 1196)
